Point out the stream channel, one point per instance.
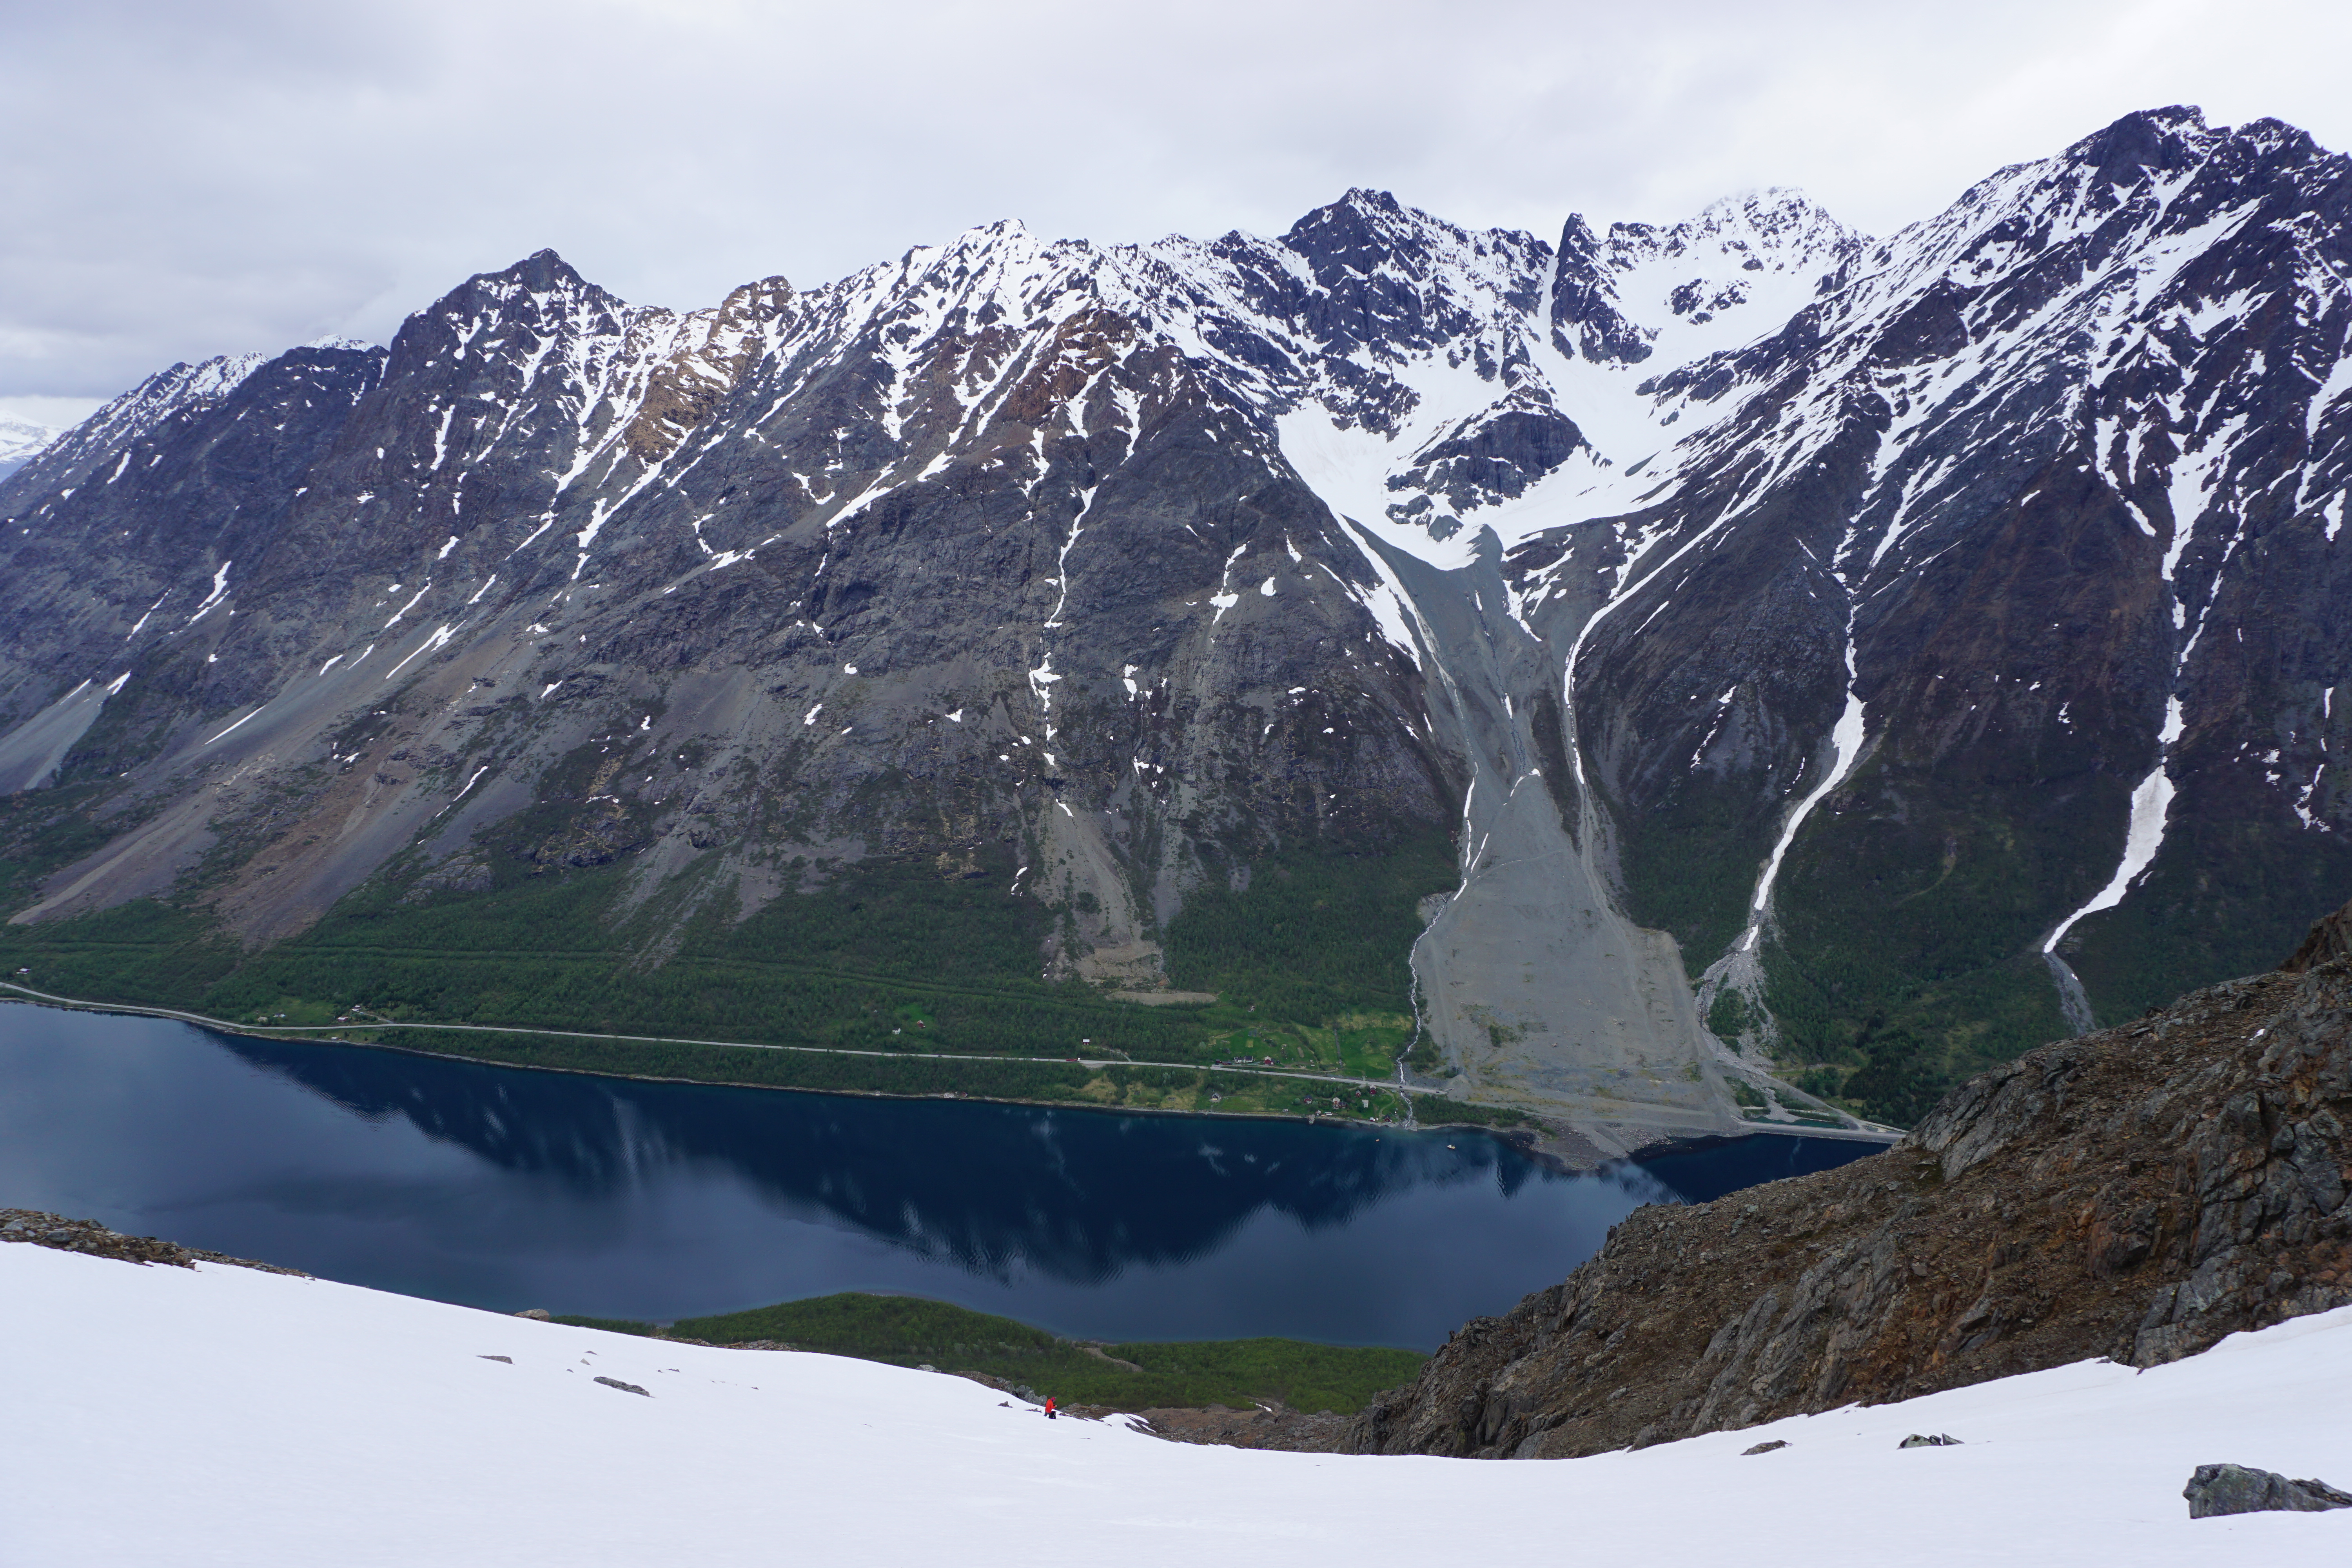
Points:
(504, 1188)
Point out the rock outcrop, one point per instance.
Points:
(96, 1240)
(2136, 1193)
(2217, 1490)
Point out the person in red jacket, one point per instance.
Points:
(1049, 1407)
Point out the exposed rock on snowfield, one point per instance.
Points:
(1933, 639)
(2217, 1490)
(2136, 1194)
(1287, 1431)
(95, 1240)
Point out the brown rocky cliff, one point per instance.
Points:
(2138, 1193)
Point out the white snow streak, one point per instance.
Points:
(248, 718)
(1845, 742)
(404, 609)
(440, 638)
(2151, 799)
(220, 591)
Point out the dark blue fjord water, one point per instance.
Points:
(504, 1188)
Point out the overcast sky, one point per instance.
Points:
(189, 178)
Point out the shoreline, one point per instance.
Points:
(288, 1035)
(1528, 1141)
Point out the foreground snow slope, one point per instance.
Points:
(164, 1415)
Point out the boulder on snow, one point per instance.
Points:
(1920, 1440)
(1765, 1448)
(624, 1387)
(537, 1314)
(2217, 1490)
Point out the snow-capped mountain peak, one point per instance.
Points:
(1736, 540)
(1739, 269)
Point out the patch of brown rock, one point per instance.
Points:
(87, 1235)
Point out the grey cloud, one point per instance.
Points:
(189, 180)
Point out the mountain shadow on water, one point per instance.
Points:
(1082, 1195)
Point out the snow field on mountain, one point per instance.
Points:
(164, 1415)
(1794, 244)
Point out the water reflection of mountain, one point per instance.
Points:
(1077, 1195)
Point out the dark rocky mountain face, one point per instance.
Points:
(1921, 643)
(2138, 1193)
(2037, 514)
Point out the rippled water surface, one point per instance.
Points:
(505, 1188)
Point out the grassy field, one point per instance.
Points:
(907, 1330)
